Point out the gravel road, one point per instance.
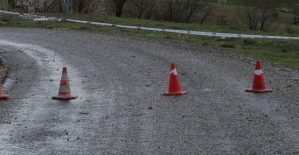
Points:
(119, 81)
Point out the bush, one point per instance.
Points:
(5, 20)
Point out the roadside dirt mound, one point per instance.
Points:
(5, 18)
(3, 71)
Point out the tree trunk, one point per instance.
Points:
(119, 4)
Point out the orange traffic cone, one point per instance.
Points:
(3, 96)
(258, 85)
(174, 83)
(64, 88)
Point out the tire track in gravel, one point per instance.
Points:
(215, 117)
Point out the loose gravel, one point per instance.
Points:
(124, 112)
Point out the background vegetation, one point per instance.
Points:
(221, 18)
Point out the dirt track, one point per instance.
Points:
(120, 109)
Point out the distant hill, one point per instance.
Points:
(282, 3)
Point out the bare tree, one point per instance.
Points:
(150, 9)
(119, 4)
(11, 5)
(205, 15)
(66, 6)
(140, 8)
(2, 6)
(32, 5)
(184, 11)
(78, 5)
(268, 14)
(88, 6)
(249, 15)
(160, 11)
(258, 14)
(174, 10)
(95, 6)
(53, 4)
(199, 8)
(296, 15)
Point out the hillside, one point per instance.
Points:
(282, 3)
(229, 10)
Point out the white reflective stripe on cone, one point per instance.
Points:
(64, 89)
(174, 72)
(258, 72)
(64, 77)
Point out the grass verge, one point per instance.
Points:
(285, 52)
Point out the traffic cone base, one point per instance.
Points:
(4, 97)
(174, 93)
(64, 97)
(259, 91)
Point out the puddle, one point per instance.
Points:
(207, 90)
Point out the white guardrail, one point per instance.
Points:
(200, 33)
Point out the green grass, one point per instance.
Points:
(285, 52)
(230, 12)
(282, 3)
